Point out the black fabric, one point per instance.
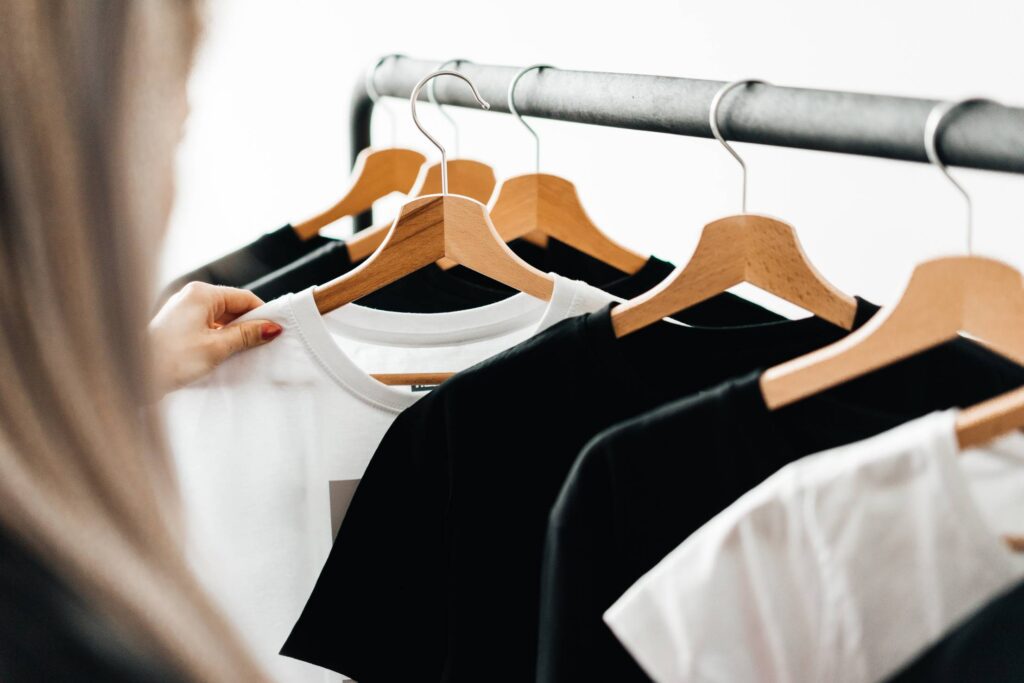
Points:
(558, 257)
(315, 268)
(641, 488)
(434, 290)
(268, 253)
(48, 633)
(986, 647)
(439, 556)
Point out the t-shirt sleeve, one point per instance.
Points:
(739, 600)
(377, 610)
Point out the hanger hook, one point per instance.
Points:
(432, 96)
(515, 112)
(415, 119)
(932, 130)
(716, 102)
(370, 82)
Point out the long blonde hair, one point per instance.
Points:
(85, 479)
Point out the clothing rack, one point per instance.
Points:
(987, 136)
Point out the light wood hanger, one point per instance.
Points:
(377, 172)
(536, 238)
(946, 297)
(981, 297)
(430, 228)
(759, 250)
(549, 206)
(466, 177)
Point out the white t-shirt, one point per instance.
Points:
(266, 441)
(840, 567)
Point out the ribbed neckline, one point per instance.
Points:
(390, 328)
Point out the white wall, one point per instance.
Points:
(267, 139)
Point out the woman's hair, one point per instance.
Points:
(91, 103)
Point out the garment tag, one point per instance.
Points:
(341, 492)
(418, 388)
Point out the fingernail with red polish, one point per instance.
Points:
(270, 330)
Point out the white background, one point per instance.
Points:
(266, 142)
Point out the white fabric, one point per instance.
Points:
(257, 442)
(840, 567)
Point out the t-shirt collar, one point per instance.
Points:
(417, 330)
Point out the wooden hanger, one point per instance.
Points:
(946, 297)
(548, 205)
(759, 250)
(981, 423)
(466, 177)
(430, 228)
(473, 179)
(980, 297)
(378, 173)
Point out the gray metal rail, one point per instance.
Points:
(985, 136)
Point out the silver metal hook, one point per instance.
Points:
(515, 112)
(931, 140)
(716, 102)
(415, 119)
(374, 94)
(432, 96)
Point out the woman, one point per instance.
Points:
(93, 580)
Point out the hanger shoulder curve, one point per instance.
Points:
(415, 234)
(944, 297)
(550, 205)
(715, 266)
(466, 177)
(777, 263)
(465, 243)
(744, 248)
(427, 229)
(377, 173)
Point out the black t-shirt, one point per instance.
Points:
(267, 254)
(988, 646)
(642, 487)
(434, 290)
(49, 633)
(435, 573)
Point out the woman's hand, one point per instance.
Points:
(192, 334)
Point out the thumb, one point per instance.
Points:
(241, 336)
